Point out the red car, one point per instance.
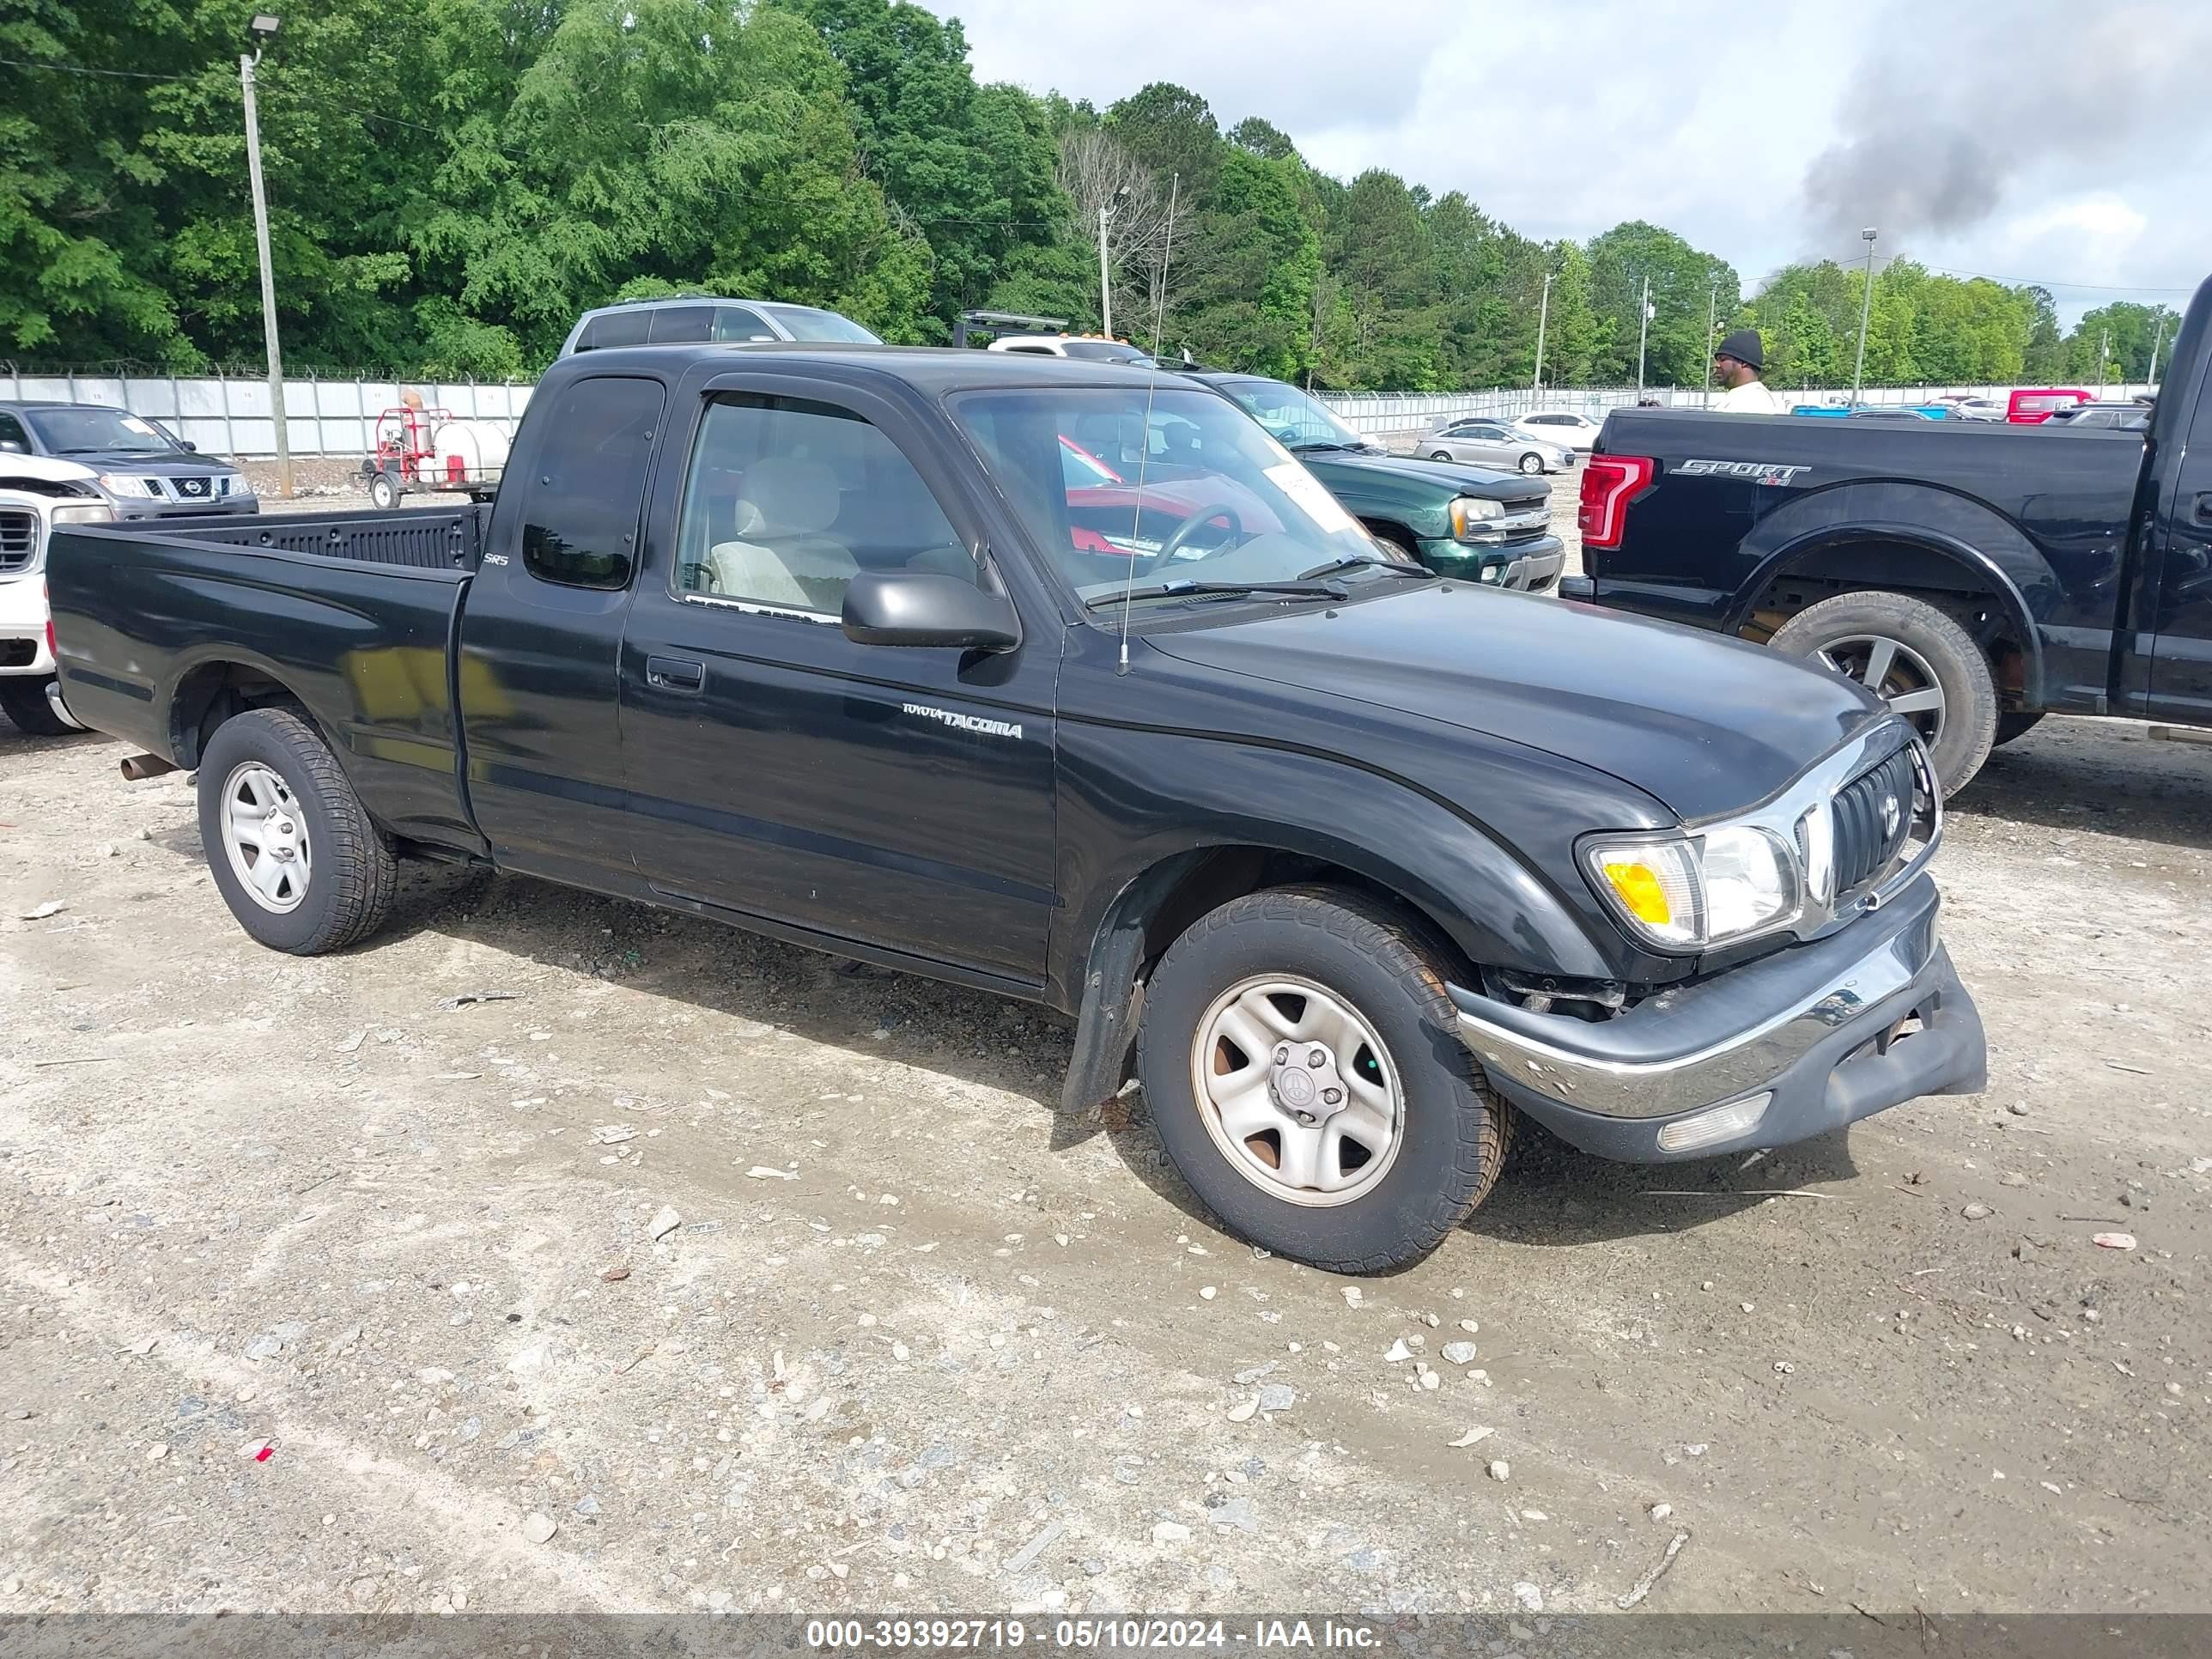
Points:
(2033, 406)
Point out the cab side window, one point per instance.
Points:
(587, 483)
(787, 500)
(12, 433)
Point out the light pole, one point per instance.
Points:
(1543, 316)
(1643, 332)
(264, 26)
(1712, 300)
(2157, 340)
(1866, 312)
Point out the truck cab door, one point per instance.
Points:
(900, 796)
(2177, 598)
(541, 629)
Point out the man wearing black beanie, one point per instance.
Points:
(1736, 364)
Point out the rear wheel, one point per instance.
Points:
(1532, 463)
(1305, 1069)
(1440, 455)
(292, 850)
(24, 698)
(383, 491)
(1920, 661)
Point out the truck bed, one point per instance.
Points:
(358, 614)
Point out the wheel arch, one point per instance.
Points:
(1892, 558)
(217, 689)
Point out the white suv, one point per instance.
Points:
(1090, 347)
(689, 319)
(37, 492)
(1565, 427)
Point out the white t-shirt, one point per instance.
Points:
(1752, 397)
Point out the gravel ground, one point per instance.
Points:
(766, 1284)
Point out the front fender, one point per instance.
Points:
(1132, 799)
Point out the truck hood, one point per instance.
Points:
(1706, 725)
(1448, 478)
(166, 463)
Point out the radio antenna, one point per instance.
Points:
(1144, 438)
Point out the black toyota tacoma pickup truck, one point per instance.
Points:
(1980, 576)
(1350, 861)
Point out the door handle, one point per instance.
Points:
(676, 674)
(2201, 509)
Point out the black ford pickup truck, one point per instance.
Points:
(1979, 576)
(1350, 861)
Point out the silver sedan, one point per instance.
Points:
(1492, 443)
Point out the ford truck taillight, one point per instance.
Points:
(1609, 484)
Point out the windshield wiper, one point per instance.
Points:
(1301, 589)
(1362, 562)
(1313, 446)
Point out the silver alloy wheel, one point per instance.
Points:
(1532, 464)
(265, 835)
(1896, 673)
(1441, 455)
(1297, 1090)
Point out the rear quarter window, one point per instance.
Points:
(587, 483)
(626, 327)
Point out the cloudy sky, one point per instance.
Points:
(2029, 140)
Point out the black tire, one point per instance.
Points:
(1440, 455)
(1532, 463)
(1456, 1131)
(24, 698)
(2016, 726)
(352, 875)
(1968, 723)
(383, 491)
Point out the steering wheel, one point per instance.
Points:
(1205, 515)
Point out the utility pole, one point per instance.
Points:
(264, 26)
(2157, 340)
(1643, 332)
(1866, 314)
(1543, 316)
(1712, 299)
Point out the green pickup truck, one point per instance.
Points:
(1494, 527)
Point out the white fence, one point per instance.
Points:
(233, 417)
(336, 417)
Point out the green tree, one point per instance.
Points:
(1684, 283)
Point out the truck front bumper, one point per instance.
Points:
(1777, 1050)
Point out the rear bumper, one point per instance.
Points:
(1578, 587)
(1792, 1046)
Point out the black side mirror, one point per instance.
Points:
(915, 607)
(188, 446)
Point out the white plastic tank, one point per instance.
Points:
(468, 451)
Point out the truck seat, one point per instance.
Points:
(781, 556)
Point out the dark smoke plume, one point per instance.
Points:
(1950, 104)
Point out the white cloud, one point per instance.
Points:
(1564, 120)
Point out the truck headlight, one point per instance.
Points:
(1697, 890)
(131, 486)
(1470, 512)
(83, 512)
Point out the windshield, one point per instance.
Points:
(1296, 418)
(83, 431)
(1194, 492)
(821, 326)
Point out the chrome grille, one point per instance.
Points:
(19, 538)
(1873, 814)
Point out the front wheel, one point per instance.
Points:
(1440, 454)
(24, 698)
(1918, 661)
(293, 852)
(1532, 463)
(1303, 1065)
